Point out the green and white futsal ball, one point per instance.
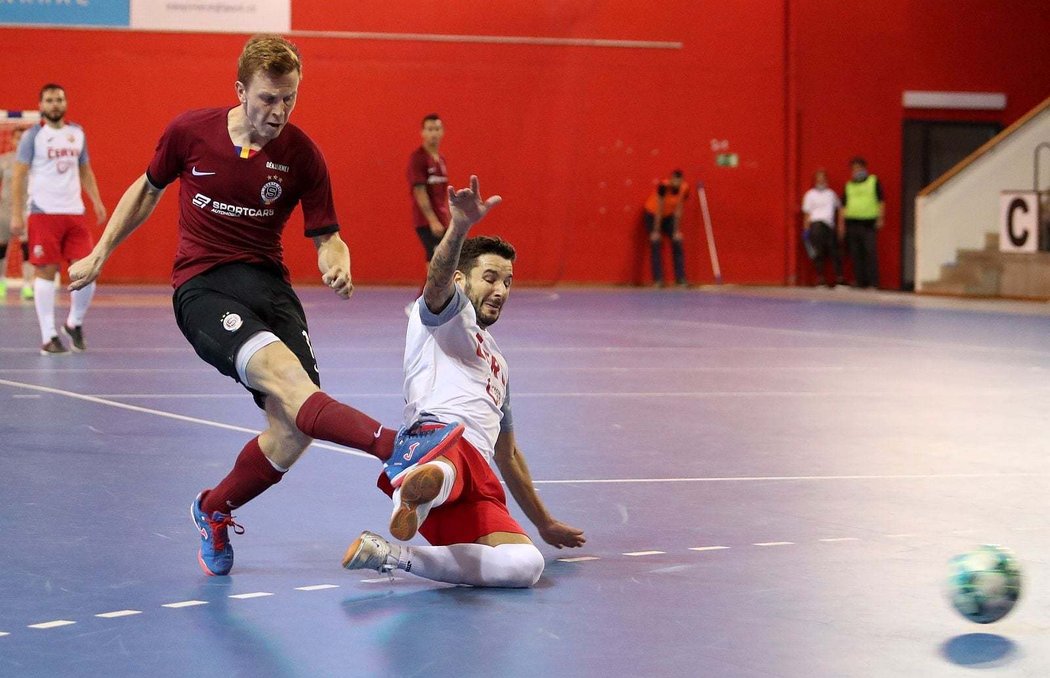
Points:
(985, 583)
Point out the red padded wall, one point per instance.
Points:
(573, 137)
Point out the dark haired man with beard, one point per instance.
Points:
(455, 372)
(54, 158)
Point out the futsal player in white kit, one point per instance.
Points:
(455, 372)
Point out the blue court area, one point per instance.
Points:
(771, 484)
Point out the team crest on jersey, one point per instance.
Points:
(231, 322)
(271, 190)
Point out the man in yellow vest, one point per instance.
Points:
(861, 216)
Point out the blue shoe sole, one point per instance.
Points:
(438, 450)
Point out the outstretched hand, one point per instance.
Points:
(558, 534)
(467, 206)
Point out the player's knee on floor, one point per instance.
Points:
(517, 566)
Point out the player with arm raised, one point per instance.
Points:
(455, 372)
(241, 171)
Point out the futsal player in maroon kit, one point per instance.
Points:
(241, 171)
(428, 184)
(428, 181)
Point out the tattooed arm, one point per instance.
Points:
(467, 210)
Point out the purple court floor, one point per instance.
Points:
(771, 483)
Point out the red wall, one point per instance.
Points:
(572, 137)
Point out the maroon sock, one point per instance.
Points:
(327, 419)
(251, 475)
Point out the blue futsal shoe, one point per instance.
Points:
(418, 444)
(216, 554)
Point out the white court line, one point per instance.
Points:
(902, 535)
(168, 415)
(866, 339)
(317, 587)
(834, 539)
(377, 580)
(185, 603)
(356, 453)
(51, 624)
(645, 553)
(588, 394)
(577, 559)
(708, 548)
(98, 370)
(932, 476)
(774, 543)
(118, 613)
(231, 396)
(4, 633)
(246, 596)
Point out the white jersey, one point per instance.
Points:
(820, 204)
(54, 157)
(454, 371)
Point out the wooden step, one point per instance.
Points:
(989, 272)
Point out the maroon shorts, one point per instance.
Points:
(58, 238)
(478, 505)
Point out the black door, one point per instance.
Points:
(931, 148)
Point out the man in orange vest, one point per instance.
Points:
(663, 217)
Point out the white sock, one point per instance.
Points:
(44, 300)
(448, 480)
(79, 300)
(506, 565)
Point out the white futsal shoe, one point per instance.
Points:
(371, 552)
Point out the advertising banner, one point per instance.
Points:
(223, 16)
(64, 12)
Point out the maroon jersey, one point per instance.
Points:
(233, 204)
(424, 170)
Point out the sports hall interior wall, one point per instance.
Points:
(572, 137)
(854, 60)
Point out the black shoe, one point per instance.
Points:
(76, 337)
(54, 347)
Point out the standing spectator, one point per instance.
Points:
(428, 182)
(7, 168)
(667, 201)
(862, 215)
(58, 230)
(819, 206)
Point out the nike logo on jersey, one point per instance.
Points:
(201, 174)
